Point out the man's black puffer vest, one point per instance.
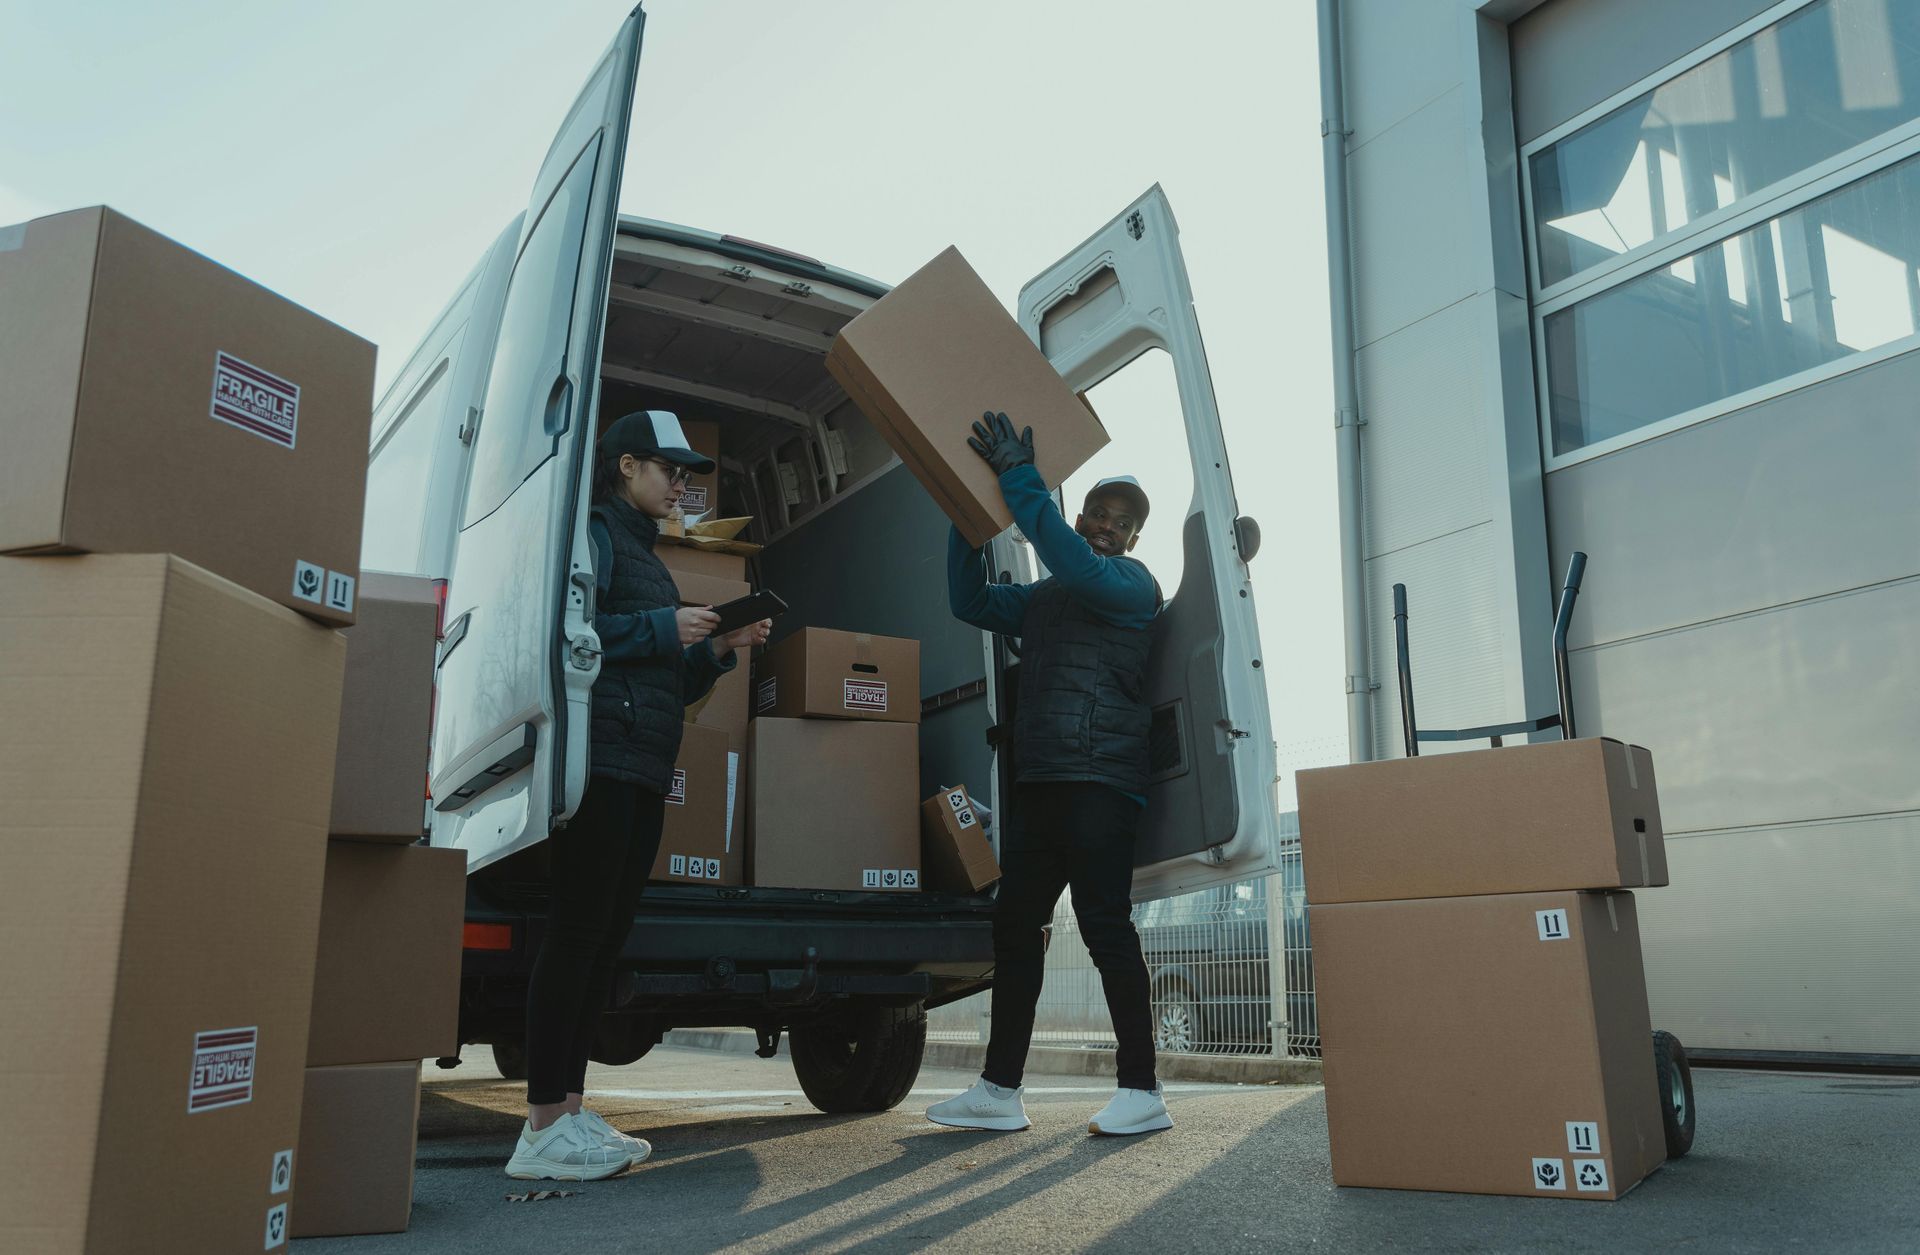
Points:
(1083, 708)
(637, 706)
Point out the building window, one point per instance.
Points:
(1751, 219)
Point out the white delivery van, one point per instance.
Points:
(479, 478)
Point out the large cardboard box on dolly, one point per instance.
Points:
(1559, 1099)
(386, 711)
(926, 360)
(1582, 814)
(818, 673)
(955, 855)
(697, 844)
(166, 769)
(157, 402)
(833, 804)
(357, 1143)
(386, 980)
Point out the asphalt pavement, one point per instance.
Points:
(742, 1162)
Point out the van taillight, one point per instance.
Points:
(488, 937)
(439, 610)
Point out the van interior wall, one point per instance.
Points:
(873, 560)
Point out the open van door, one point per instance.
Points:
(519, 656)
(1211, 813)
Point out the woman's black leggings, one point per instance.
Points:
(600, 865)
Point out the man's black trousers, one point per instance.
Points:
(1062, 836)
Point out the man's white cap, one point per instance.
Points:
(1123, 486)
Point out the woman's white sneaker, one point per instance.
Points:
(981, 1108)
(1132, 1111)
(637, 1148)
(566, 1150)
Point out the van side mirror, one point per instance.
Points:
(1246, 537)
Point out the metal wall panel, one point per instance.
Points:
(1805, 712)
(1415, 238)
(1569, 55)
(1808, 494)
(1795, 938)
(1411, 54)
(1427, 399)
(1457, 623)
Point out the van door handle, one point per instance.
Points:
(559, 402)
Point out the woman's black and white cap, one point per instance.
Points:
(653, 434)
(1127, 488)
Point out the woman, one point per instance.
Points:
(657, 660)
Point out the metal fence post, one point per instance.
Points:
(1277, 962)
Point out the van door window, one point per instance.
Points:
(1140, 407)
(529, 361)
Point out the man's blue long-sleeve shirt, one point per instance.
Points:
(651, 634)
(1120, 590)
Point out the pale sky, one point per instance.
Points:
(359, 156)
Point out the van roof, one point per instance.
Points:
(750, 251)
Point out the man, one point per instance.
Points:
(1080, 762)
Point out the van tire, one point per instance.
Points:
(864, 1061)
(1675, 1077)
(510, 1058)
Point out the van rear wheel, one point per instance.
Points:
(864, 1060)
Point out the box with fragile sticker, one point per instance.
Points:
(832, 804)
(156, 402)
(168, 768)
(1581, 814)
(955, 855)
(1560, 1103)
(696, 838)
(819, 673)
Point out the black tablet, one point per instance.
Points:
(734, 615)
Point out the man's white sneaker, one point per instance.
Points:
(637, 1148)
(1132, 1111)
(566, 1150)
(981, 1108)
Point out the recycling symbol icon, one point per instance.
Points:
(1549, 1175)
(1590, 1176)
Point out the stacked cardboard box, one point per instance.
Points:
(1482, 898)
(955, 855)
(834, 764)
(170, 730)
(386, 983)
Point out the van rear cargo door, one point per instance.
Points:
(1211, 813)
(519, 658)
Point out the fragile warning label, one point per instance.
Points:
(677, 795)
(694, 500)
(222, 1068)
(255, 400)
(866, 695)
(769, 693)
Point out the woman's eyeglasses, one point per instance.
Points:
(676, 474)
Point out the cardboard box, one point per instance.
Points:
(1581, 814)
(702, 493)
(158, 402)
(386, 711)
(696, 841)
(926, 360)
(727, 708)
(693, 560)
(166, 769)
(818, 673)
(708, 590)
(357, 1143)
(386, 981)
(833, 804)
(1544, 999)
(955, 855)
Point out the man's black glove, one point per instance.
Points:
(995, 441)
